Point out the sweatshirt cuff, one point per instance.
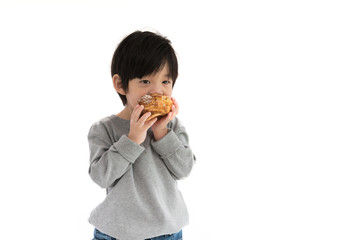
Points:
(128, 149)
(167, 145)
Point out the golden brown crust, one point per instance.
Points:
(158, 105)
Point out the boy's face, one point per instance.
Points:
(159, 82)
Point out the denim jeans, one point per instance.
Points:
(102, 236)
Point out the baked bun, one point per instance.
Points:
(159, 105)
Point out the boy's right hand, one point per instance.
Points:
(139, 125)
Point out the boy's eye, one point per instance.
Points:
(145, 81)
(167, 82)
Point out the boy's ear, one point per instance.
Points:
(118, 84)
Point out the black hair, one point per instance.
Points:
(140, 54)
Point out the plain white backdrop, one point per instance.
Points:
(268, 91)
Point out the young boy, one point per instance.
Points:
(139, 161)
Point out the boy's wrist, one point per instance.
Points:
(134, 139)
(158, 134)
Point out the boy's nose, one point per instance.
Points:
(156, 89)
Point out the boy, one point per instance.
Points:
(139, 161)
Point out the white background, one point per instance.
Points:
(268, 91)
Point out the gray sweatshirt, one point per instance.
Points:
(142, 198)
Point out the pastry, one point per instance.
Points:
(159, 105)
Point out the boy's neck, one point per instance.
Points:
(125, 113)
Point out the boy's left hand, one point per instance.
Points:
(160, 127)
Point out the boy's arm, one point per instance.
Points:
(174, 149)
(108, 161)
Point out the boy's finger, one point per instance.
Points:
(137, 112)
(151, 122)
(175, 104)
(173, 113)
(170, 116)
(144, 117)
(174, 101)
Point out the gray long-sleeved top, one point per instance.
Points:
(142, 198)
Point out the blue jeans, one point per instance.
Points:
(102, 236)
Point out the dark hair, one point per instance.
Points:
(140, 54)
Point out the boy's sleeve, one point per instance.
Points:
(109, 161)
(174, 149)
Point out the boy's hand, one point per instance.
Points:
(160, 127)
(139, 126)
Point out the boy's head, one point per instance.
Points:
(142, 54)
